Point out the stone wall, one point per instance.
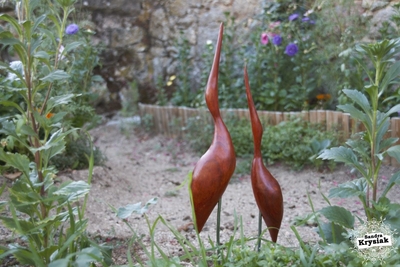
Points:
(139, 36)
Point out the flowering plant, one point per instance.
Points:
(42, 212)
(281, 58)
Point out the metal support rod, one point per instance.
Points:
(259, 230)
(218, 225)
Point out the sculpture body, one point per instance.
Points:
(266, 188)
(213, 171)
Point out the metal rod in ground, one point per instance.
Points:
(218, 225)
(259, 230)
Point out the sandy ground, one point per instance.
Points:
(140, 167)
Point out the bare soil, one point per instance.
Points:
(140, 167)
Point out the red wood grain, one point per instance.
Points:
(266, 189)
(213, 171)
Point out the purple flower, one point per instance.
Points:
(72, 29)
(264, 38)
(293, 17)
(307, 19)
(277, 40)
(291, 49)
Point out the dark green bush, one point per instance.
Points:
(77, 153)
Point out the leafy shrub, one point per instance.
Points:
(296, 54)
(281, 57)
(42, 213)
(77, 153)
(295, 143)
(76, 59)
(365, 152)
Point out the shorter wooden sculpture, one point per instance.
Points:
(213, 171)
(266, 189)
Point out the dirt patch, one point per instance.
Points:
(140, 167)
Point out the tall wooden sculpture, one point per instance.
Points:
(213, 171)
(266, 189)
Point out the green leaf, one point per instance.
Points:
(60, 100)
(88, 255)
(395, 179)
(56, 75)
(126, 211)
(359, 98)
(72, 46)
(42, 55)
(3, 204)
(392, 73)
(54, 146)
(354, 112)
(13, 22)
(12, 104)
(333, 232)
(357, 114)
(338, 215)
(387, 143)
(394, 152)
(18, 161)
(353, 188)
(341, 154)
(24, 228)
(26, 257)
(394, 109)
(73, 190)
(97, 78)
(27, 130)
(27, 24)
(38, 21)
(60, 263)
(383, 125)
(7, 38)
(393, 217)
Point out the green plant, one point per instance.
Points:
(342, 26)
(295, 143)
(130, 100)
(46, 215)
(76, 153)
(75, 57)
(365, 152)
(322, 66)
(161, 95)
(281, 57)
(184, 94)
(147, 122)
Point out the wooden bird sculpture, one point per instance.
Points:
(266, 189)
(213, 171)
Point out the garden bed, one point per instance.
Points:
(171, 121)
(141, 167)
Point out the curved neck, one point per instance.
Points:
(255, 121)
(212, 84)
